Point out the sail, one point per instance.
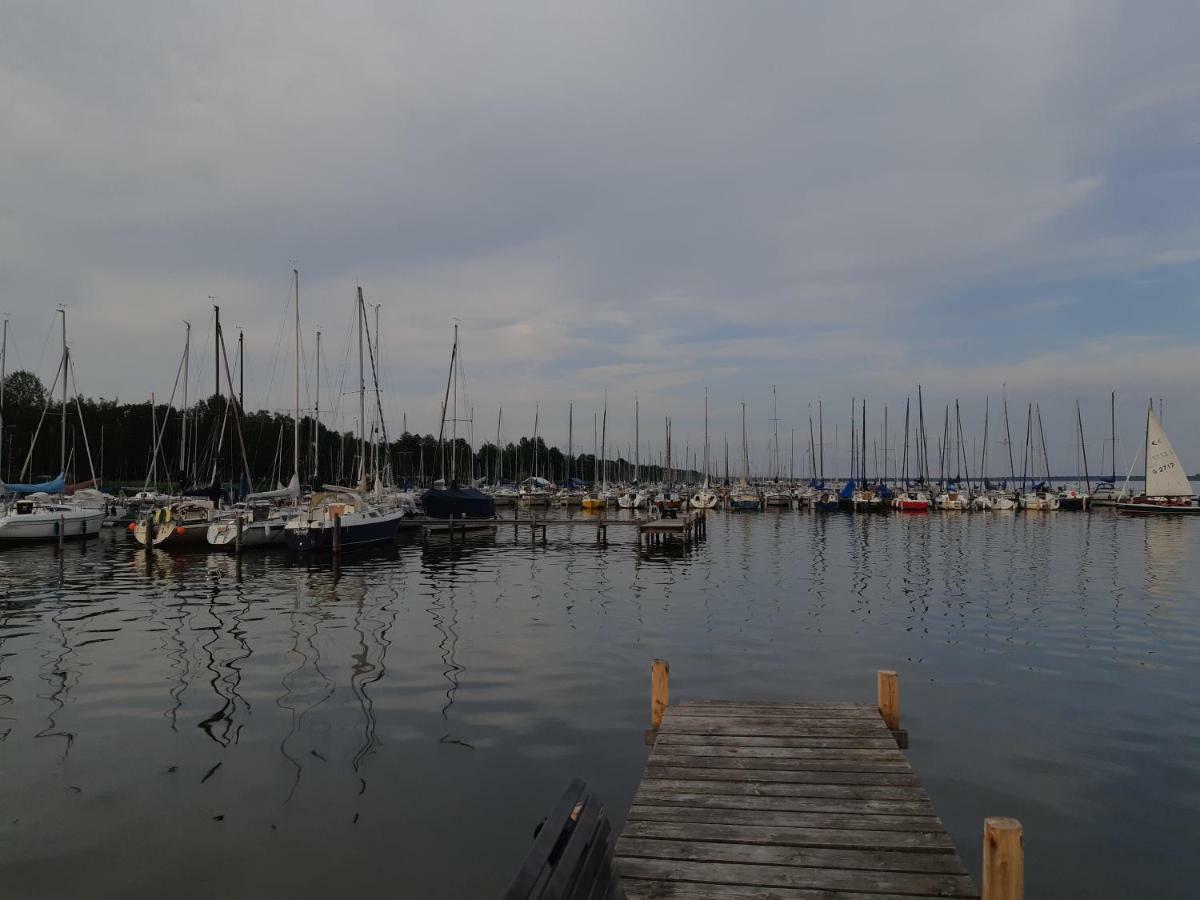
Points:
(292, 490)
(1165, 476)
(46, 487)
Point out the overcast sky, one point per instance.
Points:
(841, 199)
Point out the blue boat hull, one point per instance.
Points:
(317, 540)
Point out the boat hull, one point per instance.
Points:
(44, 526)
(1135, 508)
(317, 537)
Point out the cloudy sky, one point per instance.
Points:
(841, 199)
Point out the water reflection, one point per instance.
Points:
(412, 682)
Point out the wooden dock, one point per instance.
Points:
(690, 526)
(794, 801)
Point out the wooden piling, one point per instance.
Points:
(1003, 859)
(62, 530)
(238, 536)
(889, 705)
(337, 534)
(660, 688)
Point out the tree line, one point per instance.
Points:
(129, 445)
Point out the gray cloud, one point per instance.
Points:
(648, 198)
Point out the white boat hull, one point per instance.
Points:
(44, 525)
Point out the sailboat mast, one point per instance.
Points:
(1045, 455)
(1112, 411)
(296, 414)
(217, 349)
(821, 435)
(187, 351)
(1012, 468)
(65, 369)
(983, 461)
(603, 437)
(570, 438)
(360, 312)
(637, 453)
(317, 417)
(1087, 478)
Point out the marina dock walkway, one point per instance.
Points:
(792, 801)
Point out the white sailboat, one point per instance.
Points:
(1167, 491)
(705, 498)
(38, 516)
(261, 522)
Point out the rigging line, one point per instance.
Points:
(79, 408)
(38, 430)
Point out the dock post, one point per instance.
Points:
(337, 534)
(889, 705)
(1003, 859)
(238, 536)
(62, 530)
(660, 688)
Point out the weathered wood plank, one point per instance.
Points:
(723, 851)
(671, 739)
(770, 704)
(807, 713)
(929, 885)
(659, 769)
(848, 753)
(838, 805)
(691, 890)
(761, 789)
(762, 762)
(776, 728)
(655, 813)
(857, 724)
(650, 795)
(790, 836)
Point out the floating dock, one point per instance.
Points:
(794, 801)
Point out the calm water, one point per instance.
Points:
(186, 726)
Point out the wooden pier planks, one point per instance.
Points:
(783, 801)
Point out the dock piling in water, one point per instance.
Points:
(1003, 859)
(888, 688)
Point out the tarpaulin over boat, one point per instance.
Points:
(54, 486)
(457, 502)
(574, 484)
(848, 489)
(213, 491)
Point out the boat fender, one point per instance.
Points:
(179, 531)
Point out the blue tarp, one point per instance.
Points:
(848, 489)
(46, 487)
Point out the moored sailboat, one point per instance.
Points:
(1167, 490)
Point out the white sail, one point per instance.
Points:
(1165, 476)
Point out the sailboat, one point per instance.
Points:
(594, 499)
(744, 497)
(776, 493)
(36, 515)
(1106, 492)
(1041, 497)
(341, 517)
(449, 500)
(1167, 491)
(261, 521)
(704, 498)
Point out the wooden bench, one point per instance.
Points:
(572, 853)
